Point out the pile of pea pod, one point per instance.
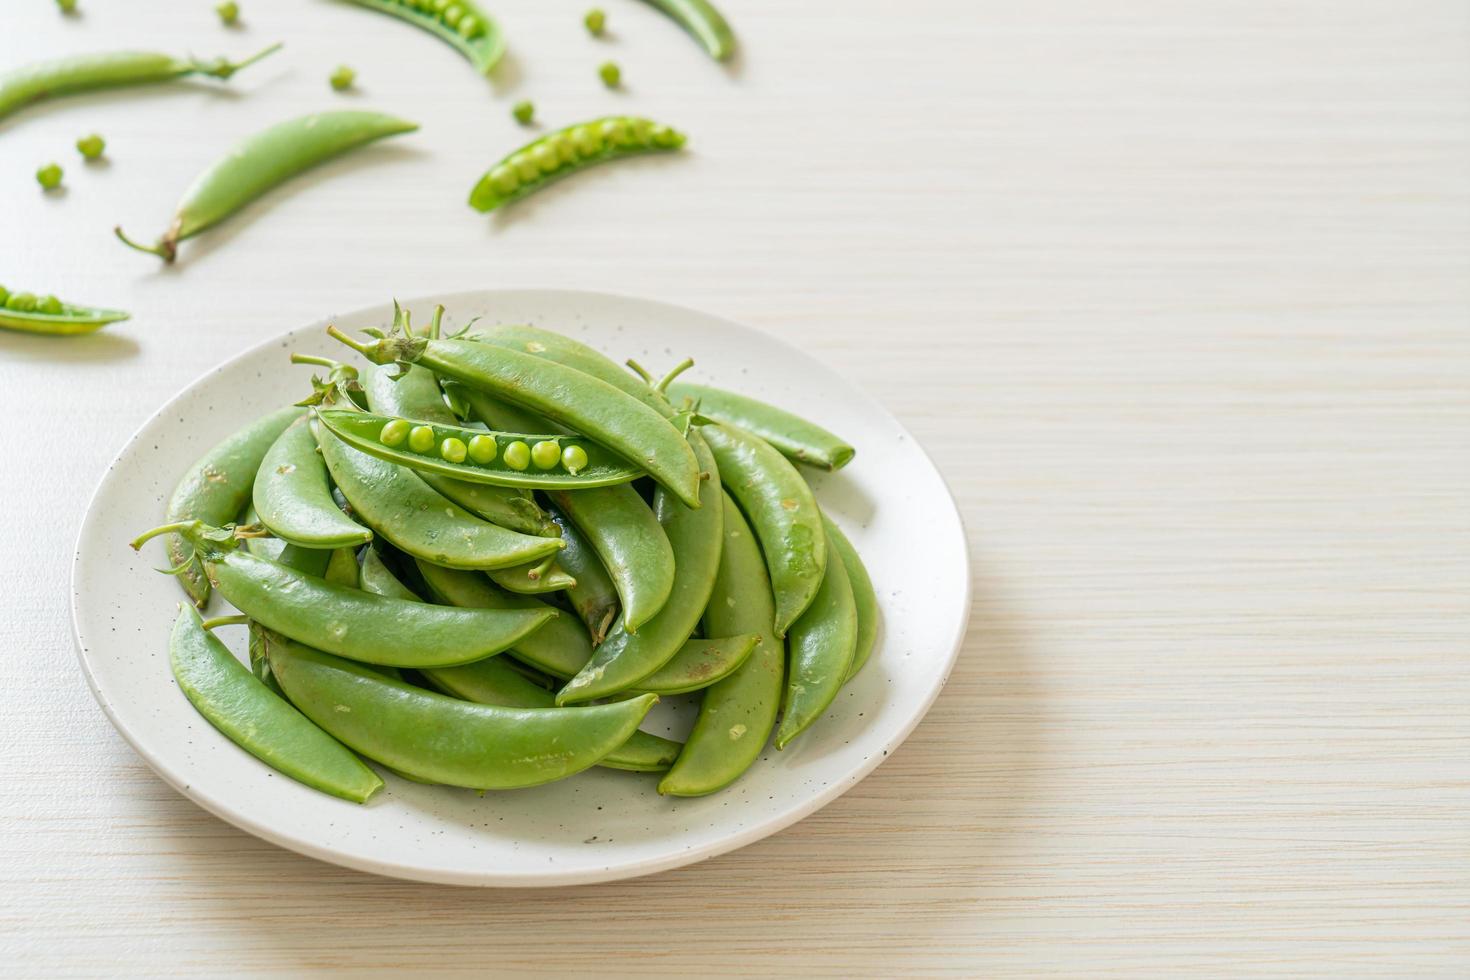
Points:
(479, 560)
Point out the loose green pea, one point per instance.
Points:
(504, 179)
(49, 304)
(229, 11)
(612, 75)
(452, 449)
(21, 302)
(482, 449)
(91, 147)
(524, 112)
(574, 458)
(49, 176)
(67, 6)
(546, 157)
(526, 167)
(342, 78)
(394, 433)
(518, 455)
(545, 454)
(595, 20)
(587, 140)
(420, 438)
(452, 14)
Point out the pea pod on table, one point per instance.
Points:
(49, 315)
(293, 496)
(568, 151)
(258, 720)
(783, 512)
(703, 22)
(371, 628)
(77, 73)
(263, 161)
(797, 439)
(217, 487)
(602, 413)
(461, 24)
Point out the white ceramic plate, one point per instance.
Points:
(599, 825)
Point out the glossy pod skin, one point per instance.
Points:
(496, 413)
(738, 713)
(377, 578)
(694, 539)
(311, 561)
(551, 346)
(596, 409)
(568, 151)
(703, 22)
(496, 682)
(471, 32)
(264, 160)
(783, 512)
(48, 315)
(217, 487)
(32, 83)
(797, 439)
(864, 597)
(347, 621)
(255, 718)
(451, 451)
(535, 579)
(445, 740)
(293, 498)
(632, 544)
(699, 663)
(821, 644)
(592, 594)
(413, 517)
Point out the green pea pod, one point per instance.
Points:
(256, 719)
(699, 663)
(592, 595)
(346, 621)
(536, 579)
(797, 439)
(737, 714)
(470, 31)
(496, 682)
(264, 547)
(602, 413)
(864, 596)
(632, 544)
(568, 151)
(551, 346)
(261, 162)
(694, 538)
(506, 459)
(311, 561)
(377, 578)
(783, 512)
(500, 414)
(412, 392)
(110, 69)
(342, 568)
(294, 498)
(414, 518)
(51, 316)
(703, 22)
(822, 642)
(216, 488)
(445, 740)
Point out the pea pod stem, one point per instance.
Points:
(217, 621)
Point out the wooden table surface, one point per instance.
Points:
(1175, 293)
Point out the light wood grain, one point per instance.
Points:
(1176, 295)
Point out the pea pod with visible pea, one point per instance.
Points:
(257, 719)
(49, 315)
(72, 74)
(263, 161)
(460, 24)
(797, 439)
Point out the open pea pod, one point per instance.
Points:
(507, 459)
(461, 24)
(445, 740)
(22, 311)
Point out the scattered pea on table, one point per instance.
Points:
(91, 147)
(67, 6)
(596, 21)
(229, 12)
(49, 176)
(524, 112)
(343, 78)
(611, 74)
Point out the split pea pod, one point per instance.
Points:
(32, 83)
(414, 518)
(347, 621)
(293, 497)
(604, 414)
(49, 315)
(865, 598)
(738, 713)
(781, 508)
(822, 642)
(569, 151)
(216, 488)
(797, 439)
(263, 161)
(445, 740)
(460, 24)
(694, 539)
(552, 346)
(632, 544)
(259, 721)
(703, 22)
(592, 595)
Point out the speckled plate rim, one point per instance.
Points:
(245, 820)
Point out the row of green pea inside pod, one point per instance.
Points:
(506, 535)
